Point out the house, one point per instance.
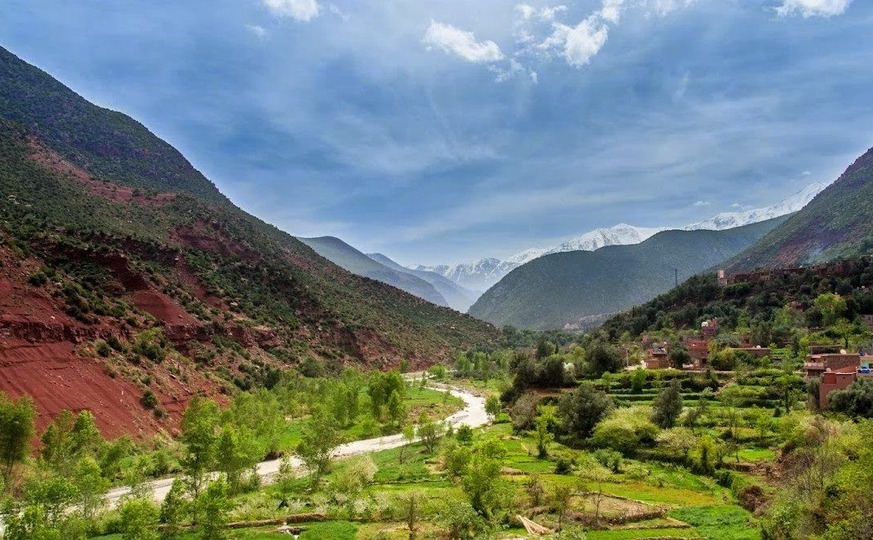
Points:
(818, 364)
(657, 356)
(839, 380)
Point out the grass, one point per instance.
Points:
(724, 522)
(630, 534)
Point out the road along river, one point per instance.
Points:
(473, 414)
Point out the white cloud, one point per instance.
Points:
(702, 203)
(548, 13)
(577, 44)
(526, 11)
(611, 10)
(806, 173)
(259, 31)
(813, 8)
(461, 43)
(300, 10)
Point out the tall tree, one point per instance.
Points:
(668, 405)
(16, 432)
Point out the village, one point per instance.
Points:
(835, 368)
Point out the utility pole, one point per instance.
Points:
(676, 274)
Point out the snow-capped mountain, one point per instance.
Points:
(619, 235)
(478, 276)
(483, 274)
(729, 220)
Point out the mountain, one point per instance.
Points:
(618, 235)
(485, 273)
(837, 223)
(345, 256)
(477, 276)
(730, 220)
(458, 297)
(129, 284)
(575, 288)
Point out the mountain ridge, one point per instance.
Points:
(488, 271)
(561, 290)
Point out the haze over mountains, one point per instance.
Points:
(484, 273)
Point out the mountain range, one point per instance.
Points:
(125, 273)
(576, 289)
(483, 274)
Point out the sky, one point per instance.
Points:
(447, 131)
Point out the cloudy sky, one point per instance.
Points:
(445, 131)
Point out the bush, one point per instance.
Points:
(149, 400)
(625, 430)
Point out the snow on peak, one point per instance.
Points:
(729, 220)
(618, 235)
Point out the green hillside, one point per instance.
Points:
(78, 180)
(458, 297)
(837, 223)
(345, 256)
(566, 288)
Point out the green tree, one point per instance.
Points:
(580, 411)
(175, 511)
(831, 306)
(603, 358)
(544, 436)
(493, 406)
(139, 519)
(215, 506)
(319, 439)
(560, 497)
(625, 430)
(16, 432)
(668, 405)
(481, 480)
(237, 451)
(429, 432)
(200, 436)
(678, 356)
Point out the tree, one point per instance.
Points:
(524, 413)
(139, 519)
(603, 358)
(678, 441)
(625, 430)
(214, 505)
(429, 432)
(174, 511)
(396, 408)
(200, 437)
(347, 484)
(493, 407)
(16, 433)
(319, 439)
(237, 450)
(856, 400)
(580, 411)
(668, 405)
(592, 487)
(560, 497)
(456, 459)
(543, 436)
(460, 520)
(831, 306)
(67, 438)
(481, 479)
(678, 356)
(408, 432)
(410, 512)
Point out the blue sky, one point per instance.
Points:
(445, 131)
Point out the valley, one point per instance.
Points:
(174, 367)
